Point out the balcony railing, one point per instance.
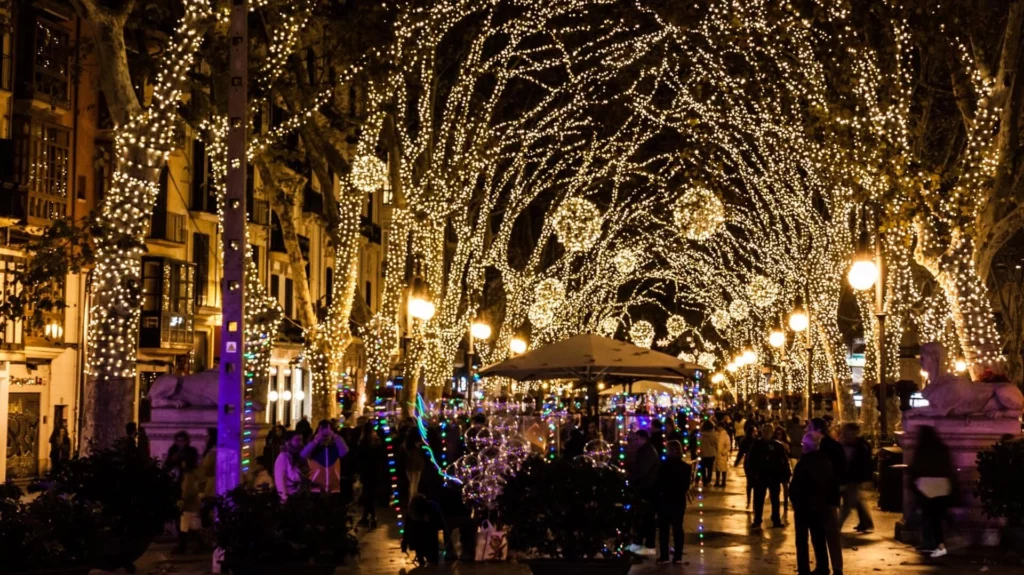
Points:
(168, 226)
(6, 72)
(259, 212)
(370, 230)
(51, 331)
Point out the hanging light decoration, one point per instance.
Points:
(706, 360)
(720, 319)
(369, 173)
(609, 326)
(699, 213)
(625, 261)
(577, 224)
(762, 291)
(642, 333)
(676, 325)
(738, 310)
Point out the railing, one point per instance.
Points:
(370, 230)
(6, 72)
(51, 330)
(168, 226)
(259, 212)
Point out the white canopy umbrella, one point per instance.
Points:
(643, 386)
(589, 357)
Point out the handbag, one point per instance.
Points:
(932, 487)
(491, 543)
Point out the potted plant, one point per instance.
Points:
(52, 534)
(132, 496)
(309, 533)
(569, 513)
(999, 488)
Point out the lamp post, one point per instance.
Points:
(865, 273)
(799, 321)
(777, 339)
(477, 330)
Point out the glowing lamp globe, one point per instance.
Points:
(480, 330)
(960, 365)
(286, 395)
(798, 321)
(717, 378)
(517, 345)
(421, 309)
(863, 274)
(732, 367)
(300, 395)
(777, 339)
(739, 360)
(273, 395)
(749, 357)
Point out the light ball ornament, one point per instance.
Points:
(698, 213)
(609, 326)
(548, 296)
(369, 173)
(577, 224)
(687, 357)
(762, 291)
(642, 333)
(739, 310)
(676, 325)
(625, 261)
(706, 360)
(720, 319)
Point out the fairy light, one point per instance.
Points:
(396, 500)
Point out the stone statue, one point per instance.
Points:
(196, 390)
(950, 394)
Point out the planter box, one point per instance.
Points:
(582, 567)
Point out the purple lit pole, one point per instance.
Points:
(232, 366)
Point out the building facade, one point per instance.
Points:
(55, 128)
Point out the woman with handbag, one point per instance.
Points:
(935, 482)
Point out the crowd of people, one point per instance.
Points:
(815, 466)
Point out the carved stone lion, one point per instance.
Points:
(196, 390)
(949, 394)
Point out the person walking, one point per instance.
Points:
(272, 447)
(722, 458)
(795, 430)
(858, 472)
(739, 429)
(643, 476)
(837, 457)
(370, 461)
(768, 469)
(783, 440)
(60, 447)
(672, 487)
(708, 452)
(415, 462)
(813, 488)
(934, 479)
(743, 455)
(182, 461)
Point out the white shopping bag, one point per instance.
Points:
(491, 543)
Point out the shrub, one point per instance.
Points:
(564, 509)
(998, 476)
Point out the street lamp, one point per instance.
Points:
(421, 308)
(867, 271)
(517, 345)
(777, 338)
(798, 320)
(480, 330)
(732, 367)
(749, 357)
(717, 378)
(960, 365)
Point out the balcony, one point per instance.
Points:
(312, 202)
(167, 322)
(48, 333)
(258, 212)
(168, 227)
(35, 181)
(370, 230)
(44, 62)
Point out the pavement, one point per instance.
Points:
(729, 548)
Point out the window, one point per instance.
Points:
(151, 285)
(369, 294)
(330, 286)
(168, 304)
(369, 207)
(204, 198)
(289, 294)
(201, 259)
(275, 286)
(52, 56)
(42, 156)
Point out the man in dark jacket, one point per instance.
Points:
(672, 487)
(767, 469)
(858, 472)
(836, 455)
(642, 476)
(812, 491)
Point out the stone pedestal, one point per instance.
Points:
(965, 436)
(166, 421)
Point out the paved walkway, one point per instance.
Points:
(729, 548)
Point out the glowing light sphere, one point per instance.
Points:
(609, 326)
(863, 274)
(717, 378)
(798, 321)
(762, 291)
(706, 360)
(548, 296)
(480, 330)
(777, 339)
(577, 224)
(749, 357)
(687, 357)
(517, 345)
(720, 319)
(960, 365)
(598, 451)
(625, 261)
(273, 395)
(369, 173)
(676, 325)
(698, 213)
(642, 333)
(739, 310)
(731, 367)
